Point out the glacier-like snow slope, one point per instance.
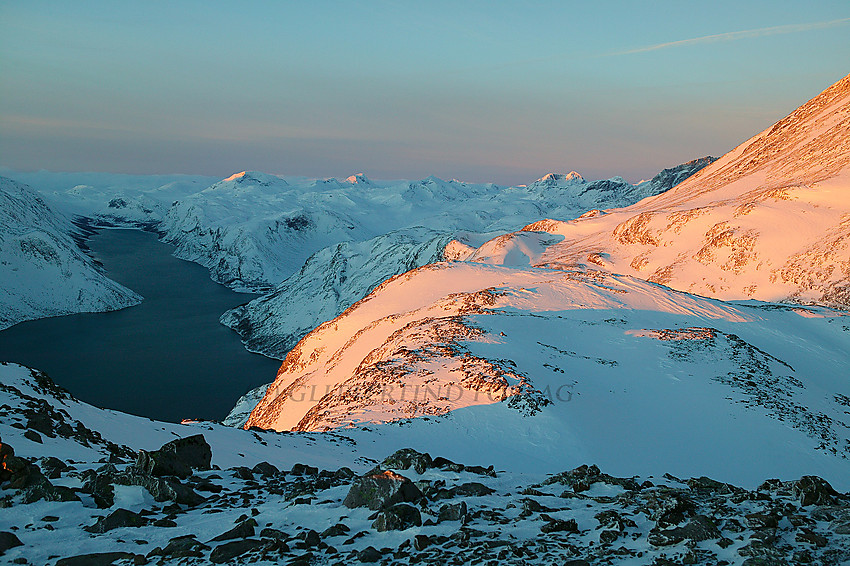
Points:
(568, 366)
(44, 272)
(770, 220)
(444, 220)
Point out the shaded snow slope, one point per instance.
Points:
(584, 365)
(770, 220)
(111, 198)
(44, 271)
(335, 277)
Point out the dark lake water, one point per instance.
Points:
(167, 358)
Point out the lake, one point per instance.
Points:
(167, 358)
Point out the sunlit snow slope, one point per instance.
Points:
(44, 271)
(770, 220)
(536, 340)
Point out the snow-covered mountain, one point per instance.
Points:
(337, 276)
(45, 273)
(770, 220)
(112, 198)
(529, 341)
(253, 230)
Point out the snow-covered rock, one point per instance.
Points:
(76, 488)
(45, 273)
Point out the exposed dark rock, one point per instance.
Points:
(452, 512)
(471, 489)
(34, 436)
(369, 554)
(379, 490)
(243, 473)
(181, 547)
(666, 506)
(559, 525)
(115, 520)
(581, 478)
(421, 542)
(53, 467)
(8, 540)
(397, 518)
(176, 458)
(811, 537)
(336, 530)
(95, 559)
(244, 529)
(698, 528)
(303, 470)
(311, 538)
(406, 458)
(230, 550)
(265, 469)
(812, 490)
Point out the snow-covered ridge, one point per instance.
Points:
(45, 273)
(609, 368)
(335, 277)
(770, 220)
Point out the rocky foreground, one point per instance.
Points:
(410, 509)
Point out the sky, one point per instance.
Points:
(482, 91)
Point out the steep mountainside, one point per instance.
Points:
(537, 344)
(336, 277)
(770, 220)
(44, 271)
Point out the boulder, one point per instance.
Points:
(399, 517)
(407, 458)
(176, 458)
(452, 512)
(115, 520)
(186, 546)
(226, 552)
(8, 540)
(379, 490)
(244, 529)
(813, 490)
(369, 554)
(698, 528)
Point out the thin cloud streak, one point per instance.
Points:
(735, 35)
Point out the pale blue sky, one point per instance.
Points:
(480, 91)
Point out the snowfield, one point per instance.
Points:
(45, 273)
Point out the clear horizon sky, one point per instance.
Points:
(501, 91)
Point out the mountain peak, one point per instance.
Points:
(359, 179)
(551, 178)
